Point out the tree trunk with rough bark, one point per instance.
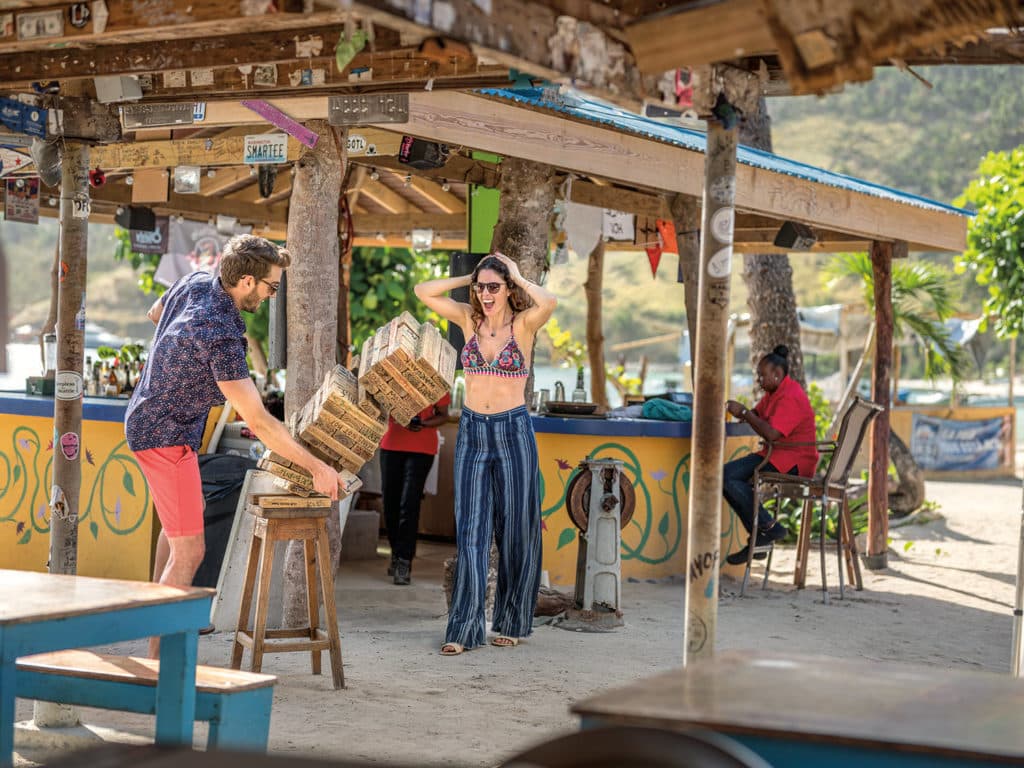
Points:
(312, 315)
(522, 231)
(686, 219)
(595, 333)
(909, 493)
(769, 277)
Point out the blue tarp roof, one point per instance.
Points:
(590, 109)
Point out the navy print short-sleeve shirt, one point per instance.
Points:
(199, 341)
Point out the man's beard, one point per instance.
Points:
(251, 301)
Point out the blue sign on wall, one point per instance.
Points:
(959, 446)
(23, 118)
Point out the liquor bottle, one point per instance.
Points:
(88, 376)
(579, 395)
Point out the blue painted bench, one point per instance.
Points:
(235, 703)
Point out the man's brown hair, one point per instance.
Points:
(251, 255)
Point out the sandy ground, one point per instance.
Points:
(946, 600)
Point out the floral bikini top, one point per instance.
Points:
(508, 363)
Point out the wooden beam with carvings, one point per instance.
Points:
(212, 151)
(160, 20)
(180, 59)
(366, 70)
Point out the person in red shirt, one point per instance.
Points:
(406, 455)
(783, 415)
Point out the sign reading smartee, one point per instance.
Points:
(266, 148)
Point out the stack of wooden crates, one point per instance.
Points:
(404, 367)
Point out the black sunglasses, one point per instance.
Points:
(274, 287)
(491, 288)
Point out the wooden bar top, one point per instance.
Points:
(27, 596)
(815, 698)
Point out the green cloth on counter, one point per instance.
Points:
(666, 410)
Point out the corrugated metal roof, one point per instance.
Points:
(594, 110)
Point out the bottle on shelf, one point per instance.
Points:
(579, 395)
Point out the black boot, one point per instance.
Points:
(391, 568)
(403, 571)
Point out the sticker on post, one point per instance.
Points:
(68, 385)
(266, 148)
(80, 315)
(722, 222)
(81, 208)
(720, 264)
(69, 446)
(723, 190)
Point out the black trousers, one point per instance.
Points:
(403, 476)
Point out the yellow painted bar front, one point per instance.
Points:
(656, 458)
(115, 526)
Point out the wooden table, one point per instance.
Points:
(41, 612)
(810, 710)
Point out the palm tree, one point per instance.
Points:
(922, 300)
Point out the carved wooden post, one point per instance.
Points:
(703, 533)
(68, 386)
(312, 314)
(878, 492)
(595, 334)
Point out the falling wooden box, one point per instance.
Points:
(297, 479)
(405, 367)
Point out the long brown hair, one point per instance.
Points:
(517, 297)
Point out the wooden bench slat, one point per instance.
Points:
(98, 666)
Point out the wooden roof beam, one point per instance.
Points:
(389, 223)
(213, 151)
(432, 191)
(387, 198)
(195, 206)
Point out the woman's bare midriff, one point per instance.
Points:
(487, 393)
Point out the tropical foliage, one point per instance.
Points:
(995, 237)
(923, 298)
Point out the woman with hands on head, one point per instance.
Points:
(496, 467)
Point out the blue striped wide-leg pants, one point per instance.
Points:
(496, 494)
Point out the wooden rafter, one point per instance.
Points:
(433, 192)
(164, 154)
(385, 197)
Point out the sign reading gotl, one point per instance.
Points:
(266, 148)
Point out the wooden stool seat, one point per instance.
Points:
(286, 519)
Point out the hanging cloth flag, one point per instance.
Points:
(654, 256)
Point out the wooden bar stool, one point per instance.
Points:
(285, 523)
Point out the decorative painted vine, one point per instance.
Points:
(656, 532)
(25, 476)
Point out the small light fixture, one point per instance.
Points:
(374, 175)
(408, 180)
(380, 236)
(252, 170)
(446, 187)
(20, 183)
(129, 180)
(795, 236)
(53, 202)
(211, 172)
(118, 212)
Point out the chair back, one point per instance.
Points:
(852, 428)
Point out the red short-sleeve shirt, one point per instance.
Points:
(398, 438)
(788, 410)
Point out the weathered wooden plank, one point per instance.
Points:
(709, 32)
(370, 224)
(174, 55)
(167, 154)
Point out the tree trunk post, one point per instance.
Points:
(703, 534)
(878, 489)
(69, 385)
(527, 200)
(312, 315)
(769, 276)
(595, 333)
(686, 219)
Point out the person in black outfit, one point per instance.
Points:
(406, 455)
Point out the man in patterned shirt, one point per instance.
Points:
(197, 360)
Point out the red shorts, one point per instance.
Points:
(173, 478)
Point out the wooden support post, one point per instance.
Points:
(595, 334)
(686, 218)
(312, 314)
(878, 491)
(69, 384)
(703, 533)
